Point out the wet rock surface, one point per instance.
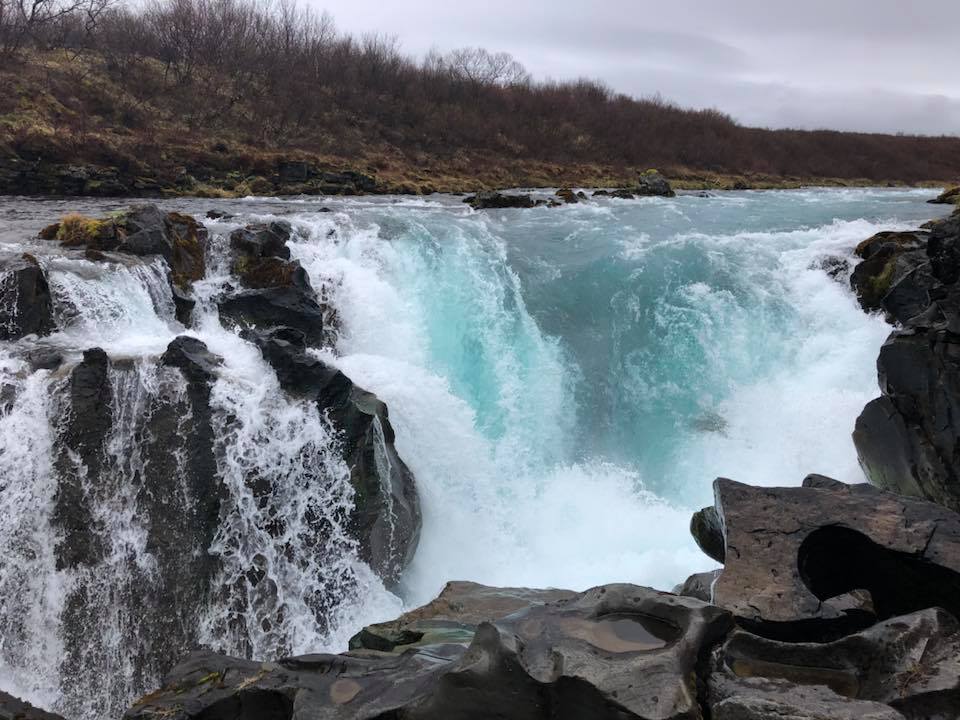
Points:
(452, 617)
(26, 307)
(793, 554)
(386, 514)
(651, 182)
(496, 200)
(13, 708)
(907, 439)
(617, 651)
(284, 317)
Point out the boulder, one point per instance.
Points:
(698, 585)
(262, 240)
(141, 230)
(568, 196)
(707, 530)
(950, 196)
(889, 258)
(907, 440)
(496, 200)
(799, 558)
(651, 182)
(910, 663)
(278, 291)
(385, 519)
(614, 652)
(26, 307)
(263, 309)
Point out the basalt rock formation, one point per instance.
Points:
(386, 515)
(832, 556)
(835, 601)
(143, 231)
(496, 200)
(616, 651)
(907, 439)
(25, 303)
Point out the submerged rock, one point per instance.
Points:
(616, 651)
(271, 307)
(26, 307)
(496, 200)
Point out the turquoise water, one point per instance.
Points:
(564, 383)
(567, 382)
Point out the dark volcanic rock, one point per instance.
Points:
(911, 663)
(143, 446)
(278, 291)
(614, 652)
(950, 196)
(907, 440)
(452, 617)
(262, 240)
(699, 585)
(568, 196)
(12, 708)
(85, 430)
(707, 530)
(495, 200)
(889, 257)
(651, 182)
(271, 307)
(142, 230)
(794, 555)
(386, 516)
(25, 304)
(762, 698)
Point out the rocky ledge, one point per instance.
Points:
(835, 601)
(907, 439)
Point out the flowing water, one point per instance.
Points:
(564, 384)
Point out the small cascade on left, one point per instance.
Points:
(178, 469)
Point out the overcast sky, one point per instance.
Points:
(874, 65)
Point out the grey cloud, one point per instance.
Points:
(873, 65)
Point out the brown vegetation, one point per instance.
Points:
(236, 96)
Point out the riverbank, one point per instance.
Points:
(110, 125)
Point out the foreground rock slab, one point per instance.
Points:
(613, 652)
(910, 663)
(828, 558)
(908, 440)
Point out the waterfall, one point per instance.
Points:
(563, 383)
